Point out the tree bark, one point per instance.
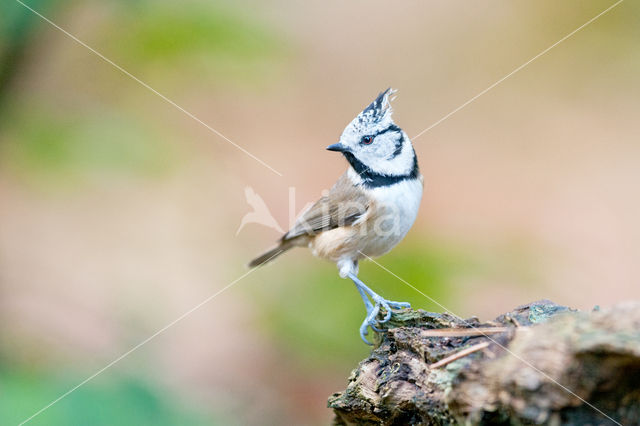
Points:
(539, 364)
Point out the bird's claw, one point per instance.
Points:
(388, 305)
(373, 309)
(371, 319)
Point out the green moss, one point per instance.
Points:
(542, 312)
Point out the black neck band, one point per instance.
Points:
(371, 179)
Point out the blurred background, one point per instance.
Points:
(118, 213)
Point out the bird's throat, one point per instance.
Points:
(372, 179)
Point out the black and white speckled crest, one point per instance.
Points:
(378, 112)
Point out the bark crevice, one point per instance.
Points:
(539, 364)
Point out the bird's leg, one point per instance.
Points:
(377, 299)
(365, 298)
(373, 309)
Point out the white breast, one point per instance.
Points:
(396, 209)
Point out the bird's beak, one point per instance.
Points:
(337, 147)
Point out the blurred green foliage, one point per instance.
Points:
(103, 133)
(43, 143)
(120, 401)
(16, 21)
(172, 31)
(316, 315)
(17, 27)
(199, 40)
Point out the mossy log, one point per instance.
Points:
(539, 364)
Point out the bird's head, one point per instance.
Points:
(374, 144)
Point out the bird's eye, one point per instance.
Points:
(367, 140)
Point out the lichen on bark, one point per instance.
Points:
(539, 364)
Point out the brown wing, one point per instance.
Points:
(344, 204)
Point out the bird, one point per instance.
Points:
(370, 208)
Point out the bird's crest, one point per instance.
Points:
(379, 111)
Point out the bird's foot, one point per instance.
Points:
(373, 309)
(372, 320)
(388, 305)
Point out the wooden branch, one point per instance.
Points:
(460, 354)
(539, 364)
(459, 332)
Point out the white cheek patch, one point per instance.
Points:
(382, 160)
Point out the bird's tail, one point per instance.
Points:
(270, 255)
